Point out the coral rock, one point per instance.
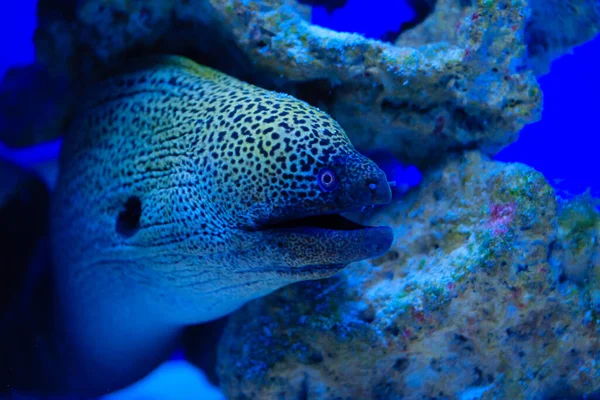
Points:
(466, 303)
(552, 28)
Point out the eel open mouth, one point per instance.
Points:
(325, 221)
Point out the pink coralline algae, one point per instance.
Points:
(501, 217)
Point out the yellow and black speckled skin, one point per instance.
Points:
(210, 159)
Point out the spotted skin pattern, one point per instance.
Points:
(212, 162)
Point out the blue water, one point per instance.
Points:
(563, 145)
(365, 17)
(17, 23)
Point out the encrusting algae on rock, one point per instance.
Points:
(552, 28)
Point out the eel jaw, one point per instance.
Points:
(322, 245)
(323, 221)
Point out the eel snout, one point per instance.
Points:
(317, 246)
(374, 190)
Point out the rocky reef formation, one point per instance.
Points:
(489, 291)
(552, 28)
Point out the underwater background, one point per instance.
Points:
(563, 145)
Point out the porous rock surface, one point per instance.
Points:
(552, 29)
(475, 299)
(418, 101)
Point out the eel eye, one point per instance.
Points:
(327, 180)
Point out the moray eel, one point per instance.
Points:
(183, 194)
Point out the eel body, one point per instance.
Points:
(183, 194)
